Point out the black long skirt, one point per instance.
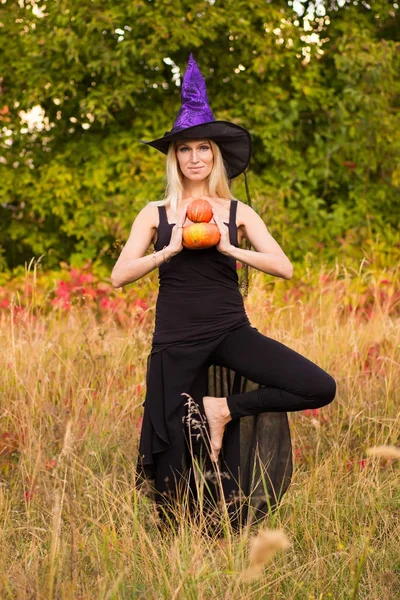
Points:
(255, 464)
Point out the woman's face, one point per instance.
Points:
(195, 158)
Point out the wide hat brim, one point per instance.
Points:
(233, 140)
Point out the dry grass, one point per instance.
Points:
(73, 527)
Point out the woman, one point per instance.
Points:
(201, 323)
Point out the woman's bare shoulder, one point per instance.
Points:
(148, 215)
(244, 212)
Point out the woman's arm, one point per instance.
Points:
(132, 263)
(267, 255)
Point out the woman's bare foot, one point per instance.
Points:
(218, 415)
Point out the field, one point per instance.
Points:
(73, 354)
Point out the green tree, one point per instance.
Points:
(319, 92)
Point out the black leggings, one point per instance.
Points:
(290, 381)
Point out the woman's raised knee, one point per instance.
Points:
(326, 390)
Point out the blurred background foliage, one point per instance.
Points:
(316, 83)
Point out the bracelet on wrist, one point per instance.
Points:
(154, 255)
(154, 258)
(165, 259)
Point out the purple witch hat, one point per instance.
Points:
(195, 120)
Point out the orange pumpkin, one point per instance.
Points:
(199, 211)
(200, 235)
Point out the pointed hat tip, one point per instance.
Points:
(195, 108)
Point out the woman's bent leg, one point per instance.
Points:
(290, 381)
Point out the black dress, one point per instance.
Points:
(199, 303)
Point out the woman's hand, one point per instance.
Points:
(175, 245)
(224, 245)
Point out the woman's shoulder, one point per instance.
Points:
(149, 215)
(242, 205)
(244, 211)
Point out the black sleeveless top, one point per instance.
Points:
(199, 297)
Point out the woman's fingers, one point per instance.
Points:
(182, 218)
(176, 234)
(222, 227)
(216, 217)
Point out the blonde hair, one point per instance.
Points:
(217, 181)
